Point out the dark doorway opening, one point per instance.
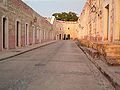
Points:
(17, 34)
(68, 37)
(64, 37)
(107, 10)
(4, 33)
(60, 36)
(26, 34)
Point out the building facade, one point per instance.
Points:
(99, 20)
(21, 26)
(99, 23)
(65, 30)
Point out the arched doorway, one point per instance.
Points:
(18, 33)
(64, 37)
(33, 32)
(26, 34)
(68, 36)
(107, 22)
(60, 36)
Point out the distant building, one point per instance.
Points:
(65, 29)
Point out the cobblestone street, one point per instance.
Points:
(58, 66)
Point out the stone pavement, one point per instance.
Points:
(58, 66)
(14, 52)
(112, 73)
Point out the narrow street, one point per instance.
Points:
(58, 66)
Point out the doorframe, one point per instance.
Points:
(27, 34)
(6, 31)
(33, 32)
(107, 9)
(40, 35)
(19, 33)
(68, 36)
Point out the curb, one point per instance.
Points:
(114, 82)
(42, 45)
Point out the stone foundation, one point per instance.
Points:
(111, 52)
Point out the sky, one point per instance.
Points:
(47, 7)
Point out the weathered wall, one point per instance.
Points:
(65, 27)
(117, 20)
(99, 21)
(37, 29)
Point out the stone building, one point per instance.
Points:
(65, 29)
(21, 26)
(99, 23)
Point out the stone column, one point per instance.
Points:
(117, 20)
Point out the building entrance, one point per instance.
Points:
(68, 36)
(4, 33)
(107, 22)
(17, 33)
(64, 37)
(60, 36)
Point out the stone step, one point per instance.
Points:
(113, 52)
(112, 46)
(113, 57)
(110, 51)
(115, 45)
(113, 60)
(113, 49)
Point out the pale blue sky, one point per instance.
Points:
(47, 7)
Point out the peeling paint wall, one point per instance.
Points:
(99, 21)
